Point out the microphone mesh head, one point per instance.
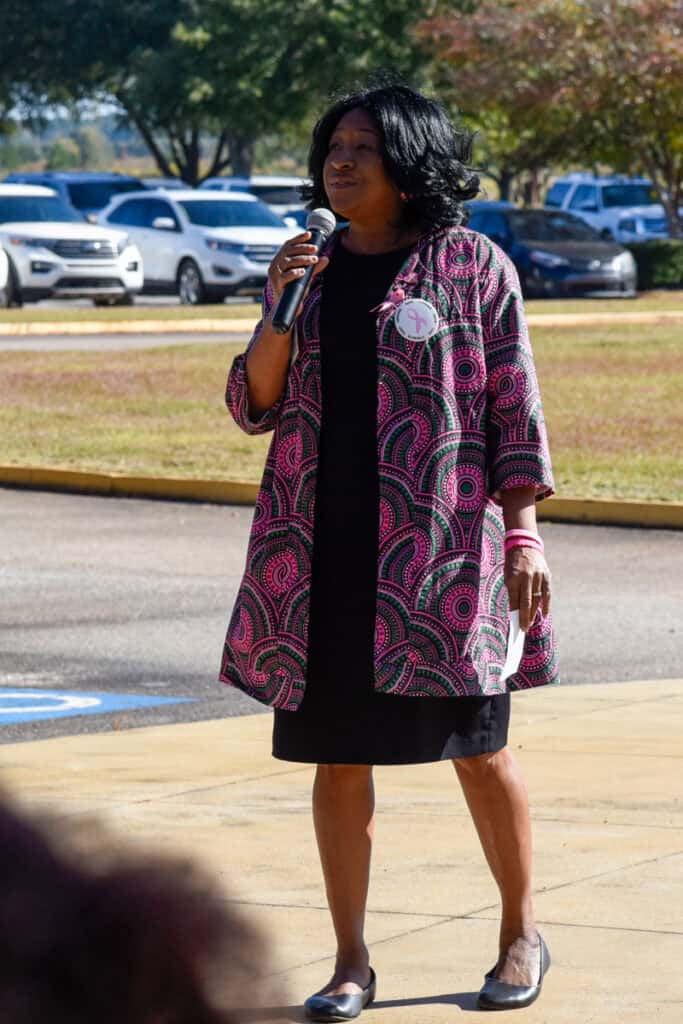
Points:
(321, 220)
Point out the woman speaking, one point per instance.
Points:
(395, 526)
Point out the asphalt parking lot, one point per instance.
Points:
(114, 600)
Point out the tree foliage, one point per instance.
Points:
(589, 80)
(183, 70)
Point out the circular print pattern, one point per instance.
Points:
(509, 384)
(458, 606)
(280, 572)
(464, 486)
(457, 262)
(289, 455)
(469, 370)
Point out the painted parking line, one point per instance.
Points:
(34, 705)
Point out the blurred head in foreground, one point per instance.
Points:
(92, 934)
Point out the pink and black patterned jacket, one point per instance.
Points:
(459, 419)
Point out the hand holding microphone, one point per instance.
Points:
(295, 265)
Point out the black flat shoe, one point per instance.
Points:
(344, 1007)
(499, 995)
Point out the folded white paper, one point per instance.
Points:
(515, 647)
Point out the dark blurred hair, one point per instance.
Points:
(98, 936)
(424, 154)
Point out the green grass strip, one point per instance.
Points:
(611, 397)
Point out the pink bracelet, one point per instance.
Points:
(519, 543)
(521, 533)
(523, 539)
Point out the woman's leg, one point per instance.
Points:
(343, 814)
(496, 795)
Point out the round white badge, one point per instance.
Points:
(416, 319)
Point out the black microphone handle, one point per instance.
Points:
(293, 293)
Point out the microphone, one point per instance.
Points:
(321, 223)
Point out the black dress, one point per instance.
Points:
(342, 720)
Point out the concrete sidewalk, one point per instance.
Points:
(603, 763)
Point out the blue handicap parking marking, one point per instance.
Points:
(33, 705)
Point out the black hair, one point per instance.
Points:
(424, 154)
(90, 931)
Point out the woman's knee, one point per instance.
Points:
(482, 765)
(344, 775)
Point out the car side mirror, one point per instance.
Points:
(91, 218)
(291, 222)
(588, 207)
(164, 224)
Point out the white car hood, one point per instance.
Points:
(251, 236)
(649, 210)
(61, 229)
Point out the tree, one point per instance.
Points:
(590, 80)
(63, 155)
(95, 149)
(184, 70)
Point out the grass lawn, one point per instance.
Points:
(653, 302)
(611, 396)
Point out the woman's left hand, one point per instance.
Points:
(527, 578)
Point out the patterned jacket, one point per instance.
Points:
(459, 419)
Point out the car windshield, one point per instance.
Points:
(550, 227)
(628, 195)
(35, 208)
(230, 213)
(281, 194)
(95, 195)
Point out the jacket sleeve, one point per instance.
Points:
(236, 396)
(516, 437)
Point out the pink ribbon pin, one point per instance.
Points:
(395, 296)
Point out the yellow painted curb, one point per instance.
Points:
(665, 515)
(227, 492)
(618, 512)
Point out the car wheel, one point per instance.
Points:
(10, 295)
(190, 284)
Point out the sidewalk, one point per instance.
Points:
(603, 764)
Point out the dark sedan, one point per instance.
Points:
(556, 253)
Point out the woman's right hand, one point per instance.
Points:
(291, 262)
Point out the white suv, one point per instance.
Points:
(623, 209)
(279, 191)
(4, 277)
(53, 252)
(200, 245)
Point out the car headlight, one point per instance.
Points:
(625, 262)
(122, 244)
(32, 243)
(220, 245)
(547, 259)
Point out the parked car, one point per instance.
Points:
(556, 253)
(4, 278)
(166, 183)
(86, 191)
(625, 209)
(295, 215)
(199, 244)
(52, 252)
(281, 192)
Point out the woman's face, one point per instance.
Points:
(355, 179)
